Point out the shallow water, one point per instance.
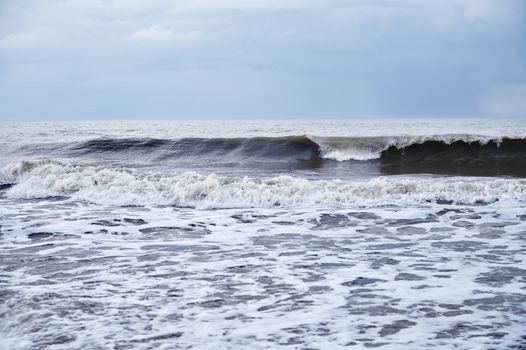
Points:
(83, 276)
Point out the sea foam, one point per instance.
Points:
(126, 186)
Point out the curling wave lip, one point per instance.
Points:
(449, 154)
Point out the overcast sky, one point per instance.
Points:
(131, 59)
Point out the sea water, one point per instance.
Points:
(263, 234)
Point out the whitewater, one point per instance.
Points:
(394, 234)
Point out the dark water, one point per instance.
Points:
(354, 156)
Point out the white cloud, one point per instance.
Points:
(163, 35)
(18, 39)
(214, 6)
(478, 9)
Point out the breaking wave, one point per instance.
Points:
(124, 186)
(470, 155)
(299, 147)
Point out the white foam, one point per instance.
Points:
(124, 186)
(365, 148)
(269, 278)
(11, 172)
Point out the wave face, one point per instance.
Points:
(469, 155)
(124, 186)
(275, 148)
(475, 158)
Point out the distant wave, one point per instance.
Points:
(124, 186)
(436, 154)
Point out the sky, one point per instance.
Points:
(229, 59)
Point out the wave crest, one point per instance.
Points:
(281, 148)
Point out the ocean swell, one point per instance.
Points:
(470, 155)
(290, 147)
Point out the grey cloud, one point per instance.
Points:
(203, 58)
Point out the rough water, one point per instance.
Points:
(263, 235)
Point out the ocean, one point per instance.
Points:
(307, 234)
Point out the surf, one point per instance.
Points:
(469, 155)
(125, 186)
